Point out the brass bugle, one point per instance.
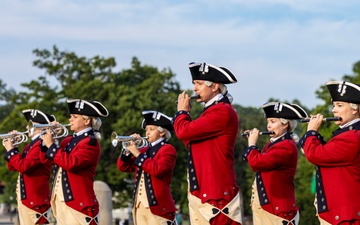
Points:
(57, 130)
(260, 133)
(328, 119)
(191, 98)
(139, 142)
(16, 138)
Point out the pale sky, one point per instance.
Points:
(283, 49)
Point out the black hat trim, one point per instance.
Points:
(344, 91)
(278, 107)
(155, 116)
(34, 112)
(204, 68)
(79, 104)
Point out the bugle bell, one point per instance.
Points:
(57, 130)
(139, 142)
(16, 138)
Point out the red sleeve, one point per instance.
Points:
(210, 123)
(126, 163)
(341, 150)
(30, 162)
(162, 165)
(83, 155)
(276, 157)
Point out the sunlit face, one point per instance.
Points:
(343, 110)
(275, 125)
(153, 133)
(206, 93)
(78, 122)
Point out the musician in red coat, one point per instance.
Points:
(153, 167)
(33, 185)
(273, 199)
(73, 198)
(210, 139)
(337, 161)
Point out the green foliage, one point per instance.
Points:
(126, 93)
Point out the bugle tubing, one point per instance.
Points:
(260, 133)
(16, 138)
(328, 119)
(139, 142)
(55, 129)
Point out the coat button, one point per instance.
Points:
(204, 195)
(336, 217)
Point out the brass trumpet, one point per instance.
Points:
(57, 130)
(139, 142)
(17, 138)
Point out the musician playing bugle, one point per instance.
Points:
(338, 160)
(33, 185)
(153, 166)
(273, 199)
(73, 198)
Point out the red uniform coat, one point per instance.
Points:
(158, 163)
(210, 140)
(338, 172)
(34, 176)
(78, 158)
(275, 171)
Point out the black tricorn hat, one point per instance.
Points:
(344, 91)
(283, 110)
(87, 107)
(205, 71)
(156, 118)
(38, 116)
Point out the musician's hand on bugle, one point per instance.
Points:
(8, 142)
(47, 137)
(253, 136)
(132, 147)
(315, 122)
(183, 102)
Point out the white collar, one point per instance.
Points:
(35, 136)
(83, 131)
(277, 138)
(218, 97)
(157, 141)
(350, 123)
